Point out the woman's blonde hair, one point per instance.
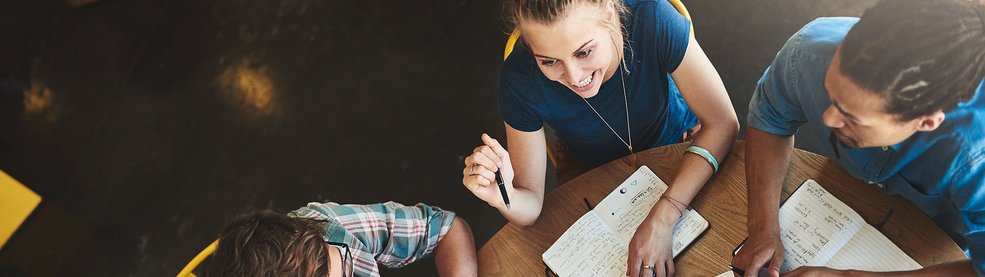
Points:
(549, 11)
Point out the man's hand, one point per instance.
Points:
(762, 249)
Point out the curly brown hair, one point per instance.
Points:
(267, 243)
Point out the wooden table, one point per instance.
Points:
(516, 251)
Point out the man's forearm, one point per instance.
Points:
(767, 160)
(455, 254)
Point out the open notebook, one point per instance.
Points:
(597, 244)
(818, 229)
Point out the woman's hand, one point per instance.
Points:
(651, 246)
(480, 167)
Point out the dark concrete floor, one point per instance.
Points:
(151, 122)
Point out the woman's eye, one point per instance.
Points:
(548, 62)
(583, 53)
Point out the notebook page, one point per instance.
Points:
(587, 248)
(870, 250)
(627, 205)
(687, 229)
(814, 225)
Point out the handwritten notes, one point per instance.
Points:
(626, 206)
(814, 225)
(687, 229)
(597, 244)
(818, 229)
(600, 252)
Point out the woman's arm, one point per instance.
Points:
(524, 169)
(705, 94)
(528, 156)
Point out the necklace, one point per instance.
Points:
(629, 132)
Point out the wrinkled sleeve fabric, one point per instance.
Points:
(395, 234)
(968, 195)
(775, 107)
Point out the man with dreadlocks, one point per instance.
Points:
(897, 98)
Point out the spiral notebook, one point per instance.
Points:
(597, 244)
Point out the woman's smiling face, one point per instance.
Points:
(580, 49)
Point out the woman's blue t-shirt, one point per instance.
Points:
(657, 39)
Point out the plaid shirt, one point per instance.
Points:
(390, 233)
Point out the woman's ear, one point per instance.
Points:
(610, 11)
(611, 15)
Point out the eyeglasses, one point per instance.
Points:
(346, 257)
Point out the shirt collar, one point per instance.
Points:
(898, 146)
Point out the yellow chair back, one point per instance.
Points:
(187, 271)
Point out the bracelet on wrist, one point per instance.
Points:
(680, 212)
(704, 154)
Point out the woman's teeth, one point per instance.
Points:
(586, 81)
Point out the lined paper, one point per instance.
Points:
(597, 244)
(870, 250)
(588, 248)
(814, 226)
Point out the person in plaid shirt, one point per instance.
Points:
(330, 239)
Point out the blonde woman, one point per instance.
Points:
(611, 78)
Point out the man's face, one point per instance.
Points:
(857, 117)
(336, 261)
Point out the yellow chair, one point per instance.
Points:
(515, 35)
(187, 271)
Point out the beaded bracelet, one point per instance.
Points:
(705, 154)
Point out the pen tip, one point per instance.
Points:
(507, 206)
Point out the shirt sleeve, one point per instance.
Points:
(673, 32)
(414, 232)
(773, 108)
(396, 235)
(518, 112)
(968, 196)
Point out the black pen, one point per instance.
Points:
(502, 189)
(762, 272)
(885, 219)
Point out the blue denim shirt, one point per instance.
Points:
(942, 171)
